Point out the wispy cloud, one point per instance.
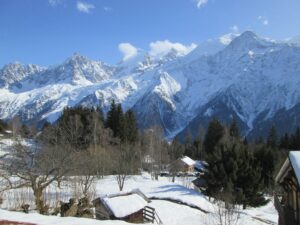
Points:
(128, 50)
(263, 20)
(201, 3)
(234, 29)
(54, 3)
(107, 8)
(161, 48)
(84, 7)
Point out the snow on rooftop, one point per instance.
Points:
(187, 160)
(200, 165)
(124, 205)
(295, 161)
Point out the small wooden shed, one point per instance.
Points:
(127, 206)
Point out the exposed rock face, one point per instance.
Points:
(252, 80)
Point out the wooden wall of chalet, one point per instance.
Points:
(101, 211)
(135, 217)
(291, 211)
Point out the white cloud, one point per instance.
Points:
(128, 50)
(263, 20)
(54, 2)
(161, 48)
(234, 29)
(227, 38)
(84, 7)
(201, 3)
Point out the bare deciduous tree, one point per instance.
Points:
(36, 166)
(227, 212)
(125, 163)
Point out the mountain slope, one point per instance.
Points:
(252, 79)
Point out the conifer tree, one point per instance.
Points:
(272, 140)
(285, 141)
(295, 140)
(130, 127)
(215, 132)
(111, 117)
(265, 159)
(233, 170)
(234, 129)
(119, 121)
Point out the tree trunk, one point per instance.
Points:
(244, 205)
(173, 178)
(38, 194)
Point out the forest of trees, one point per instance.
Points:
(85, 142)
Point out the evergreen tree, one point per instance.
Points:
(198, 148)
(115, 120)
(189, 148)
(130, 127)
(215, 132)
(272, 140)
(265, 159)
(111, 117)
(284, 142)
(245, 141)
(119, 121)
(295, 140)
(234, 129)
(234, 171)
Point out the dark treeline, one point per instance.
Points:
(85, 142)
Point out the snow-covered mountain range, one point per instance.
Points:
(252, 79)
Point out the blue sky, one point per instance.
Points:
(46, 32)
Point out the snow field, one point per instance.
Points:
(172, 202)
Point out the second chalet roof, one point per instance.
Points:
(122, 205)
(294, 157)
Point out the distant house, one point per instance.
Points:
(188, 164)
(123, 206)
(287, 203)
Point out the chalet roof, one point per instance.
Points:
(294, 157)
(125, 204)
(292, 162)
(187, 160)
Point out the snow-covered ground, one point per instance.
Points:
(171, 213)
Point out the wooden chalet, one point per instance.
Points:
(130, 206)
(287, 203)
(184, 164)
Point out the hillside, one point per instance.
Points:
(253, 80)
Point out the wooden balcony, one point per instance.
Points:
(286, 213)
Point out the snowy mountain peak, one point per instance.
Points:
(250, 79)
(249, 40)
(77, 70)
(13, 73)
(77, 58)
